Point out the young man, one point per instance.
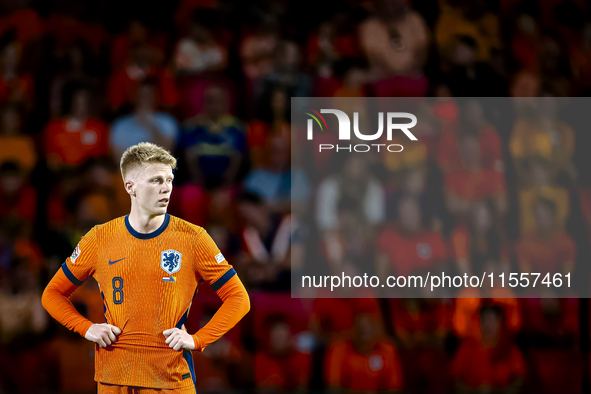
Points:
(149, 266)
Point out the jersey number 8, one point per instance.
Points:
(117, 290)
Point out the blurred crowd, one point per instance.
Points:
(211, 80)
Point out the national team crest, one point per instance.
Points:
(170, 261)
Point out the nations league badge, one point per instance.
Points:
(170, 261)
(75, 254)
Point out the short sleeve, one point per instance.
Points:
(210, 263)
(82, 263)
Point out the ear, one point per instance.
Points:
(129, 187)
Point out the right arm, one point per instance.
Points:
(56, 300)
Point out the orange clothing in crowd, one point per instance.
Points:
(379, 370)
(475, 186)
(546, 255)
(336, 316)
(20, 149)
(409, 253)
(530, 139)
(476, 365)
(71, 143)
(123, 86)
(286, 372)
(147, 287)
(527, 197)
(466, 318)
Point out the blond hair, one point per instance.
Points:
(145, 153)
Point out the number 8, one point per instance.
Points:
(117, 290)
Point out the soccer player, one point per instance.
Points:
(149, 265)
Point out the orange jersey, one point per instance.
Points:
(147, 282)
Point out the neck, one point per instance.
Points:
(143, 222)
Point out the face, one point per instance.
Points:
(279, 337)
(150, 187)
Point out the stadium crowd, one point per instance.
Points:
(211, 80)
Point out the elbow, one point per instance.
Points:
(45, 298)
(245, 304)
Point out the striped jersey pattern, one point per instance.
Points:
(147, 282)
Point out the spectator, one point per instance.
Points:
(272, 119)
(200, 51)
(17, 196)
(499, 364)
(473, 182)
(214, 143)
(278, 365)
(15, 86)
(474, 123)
(395, 40)
(356, 182)
(286, 71)
(548, 249)
(142, 65)
(14, 145)
(538, 134)
(276, 182)
(421, 327)
(477, 243)
(409, 248)
(265, 240)
(367, 362)
(145, 124)
(542, 187)
(77, 137)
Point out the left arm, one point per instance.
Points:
(235, 305)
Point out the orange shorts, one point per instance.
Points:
(104, 388)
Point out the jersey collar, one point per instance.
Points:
(151, 235)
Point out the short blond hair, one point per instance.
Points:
(145, 153)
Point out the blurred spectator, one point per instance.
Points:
(217, 368)
(258, 47)
(214, 143)
(76, 137)
(14, 145)
(366, 363)
(275, 181)
(278, 365)
(265, 241)
(472, 20)
(395, 39)
(409, 248)
(477, 242)
(356, 182)
(287, 71)
(124, 84)
(137, 35)
(333, 319)
(538, 134)
(542, 187)
(201, 51)
(473, 182)
(472, 123)
(421, 327)
(334, 40)
(467, 76)
(548, 249)
(17, 196)
(75, 72)
(491, 362)
(272, 118)
(145, 124)
(15, 86)
(551, 328)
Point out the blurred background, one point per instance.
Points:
(211, 80)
